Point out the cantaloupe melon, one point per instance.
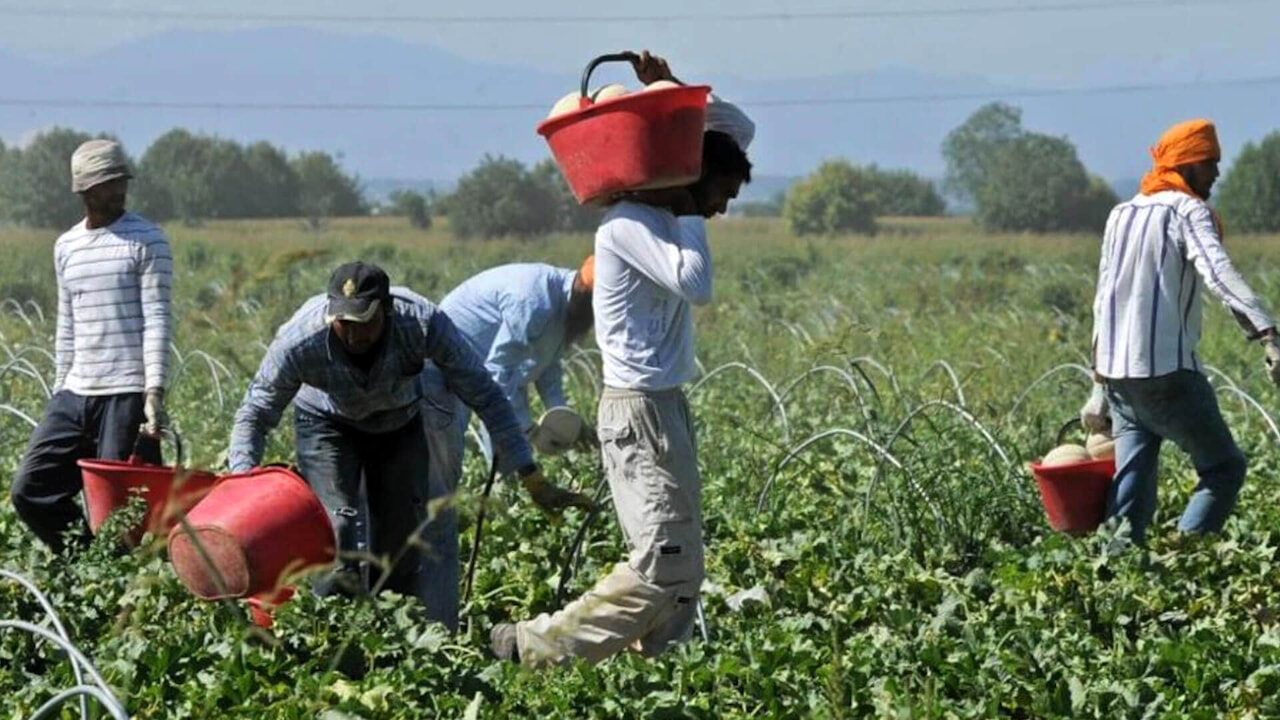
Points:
(661, 85)
(1100, 446)
(568, 103)
(609, 92)
(1067, 454)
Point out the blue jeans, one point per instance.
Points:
(379, 515)
(1183, 408)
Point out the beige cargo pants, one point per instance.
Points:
(647, 604)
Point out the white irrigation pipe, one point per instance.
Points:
(32, 349)
(782, 410)
(17, 308)
(868, 360)
(1088, 374)
(18, 413)
(1215, 372)
(84, 692)
(36, 307)
(951, 373)
(113, 705)
(25, 368)
(882, 451)
(57, 625)
(213, 366)
(1256, 406)
(842, 373)
(964, 414)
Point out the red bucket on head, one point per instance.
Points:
(258, 529)
(1075, 495)
(168, 491)
(645, 140)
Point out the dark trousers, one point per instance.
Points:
(378, 519)
(74, 427)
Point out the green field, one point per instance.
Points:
(901, 565)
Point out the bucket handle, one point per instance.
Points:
(174, 437)
(625, 56)
(1066, 427)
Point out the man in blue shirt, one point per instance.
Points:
(520, 318)
(350, 362)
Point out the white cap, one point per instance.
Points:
(725, 117)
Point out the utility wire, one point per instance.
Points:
(100, 14)
(126, 104)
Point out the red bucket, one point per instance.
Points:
(641, 141)
(1075, 495)
(262, 606)
(258, 529)
(168, 491)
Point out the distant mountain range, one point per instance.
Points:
(432, 148)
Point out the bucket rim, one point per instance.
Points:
(552, 124)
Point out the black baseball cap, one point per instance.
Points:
(356, 291)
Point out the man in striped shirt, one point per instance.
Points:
(1161, 252)
(114, 272)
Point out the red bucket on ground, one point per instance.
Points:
(258, 529)
(1075, 495)
(263, 606)
(169, 492)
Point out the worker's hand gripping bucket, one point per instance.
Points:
(640, 141)
(169, 492)
(1074, 495)
(251, 535)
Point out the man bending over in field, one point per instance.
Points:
(520, 318)
(350, 362)
(652, 265)
(1161, 251)
(114, 273)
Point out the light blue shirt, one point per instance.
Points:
(514, 316)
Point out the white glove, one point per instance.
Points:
(157, 415)
(1095, 416)
(1272, 348)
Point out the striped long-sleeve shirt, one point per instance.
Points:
(114, 322)
(1160, 254)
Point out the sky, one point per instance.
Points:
(1110, 42)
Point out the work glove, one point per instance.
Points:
(1095, 416)
(553, 500)
(1272, 348)
(156, 414)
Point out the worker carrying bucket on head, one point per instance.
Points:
(652, 265)
(349, 360)
(1162, 250)
(114, 272)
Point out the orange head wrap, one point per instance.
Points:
(1187, 142)
(587, 273)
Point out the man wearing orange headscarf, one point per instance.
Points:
(1161, 252)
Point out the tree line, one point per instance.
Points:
(1016, 179)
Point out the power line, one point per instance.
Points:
(70, 13)
(497, 107)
